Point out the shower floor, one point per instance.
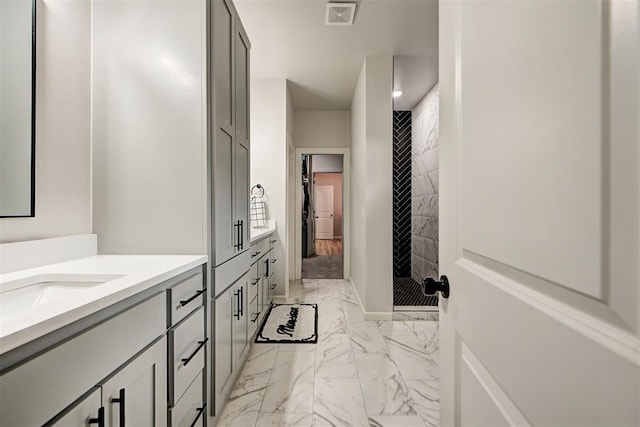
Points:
(408, 292)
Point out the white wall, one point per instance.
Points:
(291, 189)
(269, 158)
(372, 213)
(358, 184)
(63, 125)
(322, 129)
(149, 137)
(327, 163)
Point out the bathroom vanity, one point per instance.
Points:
(104, 340)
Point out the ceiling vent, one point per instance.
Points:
(340, 13)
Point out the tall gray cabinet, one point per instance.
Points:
(230, 50)
(230, 241)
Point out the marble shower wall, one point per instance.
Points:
(424, 186)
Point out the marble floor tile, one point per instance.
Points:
(412, 358)
(242, 407)
(353, 312)
(426, 395)
(283, 420)
(383, 387)
(395, 421)
(290, 388)
(331, 321)
(334, 358)
(366, 338)
(338, 402)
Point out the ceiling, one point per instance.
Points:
(290, 40)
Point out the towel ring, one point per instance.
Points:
(259, 187)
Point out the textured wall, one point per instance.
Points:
(424, 182)
(401, 193)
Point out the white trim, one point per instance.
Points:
(378, 315)
(618, 340)
(279, 299)
(346, 206)
(503, 403)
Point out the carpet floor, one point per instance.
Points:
(322, 267)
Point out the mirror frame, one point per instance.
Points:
(32, 210)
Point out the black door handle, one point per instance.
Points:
(100, 419)
(120, 400)
(431, 286)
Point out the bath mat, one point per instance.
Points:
(290, 323)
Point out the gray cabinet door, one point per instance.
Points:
(240, 328)
(223, 349)
(137, 393)
(82, 412)
(223, 207)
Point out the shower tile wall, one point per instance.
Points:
(401, 193)
(424, 183)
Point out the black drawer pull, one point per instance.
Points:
(273, 261)
(255, 281)
(121, 410)
(100, 419)
(201, 344)
(200, 412)
(275, 285)
(274, 241)
(255, 319)
(255, 254)
(194, 296)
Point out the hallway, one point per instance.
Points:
(361, 373)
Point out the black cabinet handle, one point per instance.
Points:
(255, 282)
(266, 263)
(120, 400)
(255, 319)
(256, 254)
(185, 361)
(274, 260)
(100, 419)
(275, 285)
(274, 241)
(241, 234)
(237, 295)
(242, 301)
(237, 228)
(200, 412)
(191, 298)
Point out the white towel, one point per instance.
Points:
(257, 212)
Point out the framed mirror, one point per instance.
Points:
(17, 107)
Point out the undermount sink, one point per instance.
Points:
(24, 294)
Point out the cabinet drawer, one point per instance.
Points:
(254, 281)
(184, 297)
(254, 315)
(189, 410)
(187, 350)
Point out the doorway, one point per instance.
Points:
(322, 216)
(415, 194)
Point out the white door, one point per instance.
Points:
(539, 212)
(323, 196)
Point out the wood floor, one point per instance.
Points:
(328, 247)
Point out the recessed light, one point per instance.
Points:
(397, 93)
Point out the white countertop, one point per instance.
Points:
(259, 233)
(139, 272)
